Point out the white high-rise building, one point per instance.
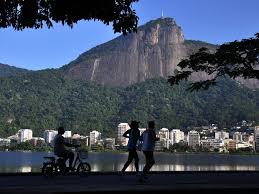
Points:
(176, 135)
(164, 133)
(24, 135)
(256, 138)
(122, 128)
(193, 138)
(221, 135)
(67, 134)
(94, 137)
(237, 136)
(49, 136)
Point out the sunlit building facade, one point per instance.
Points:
(256, 138)
(122, 128)
(24, 135)
(176, 135)
(94, 137)
(49, 136)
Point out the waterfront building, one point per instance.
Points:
(37, 141)
(212, 144)
(256, 138)
(164, 133)
(165, 143)
(24, 135)
(176, 135)
(221, 135)
(245, 137)
(158, 146)
(217, 144)
(168, 142)
(67, 134)
(78, 139)
(49, 136)
(98, 145)
(84, 140)
(5, 142)
(251, 139)
(122, 128)
(193, 139)
(231, 144)
(243, 145)
(13, 139)
(237, 136)
(205, 143)
(109, 143)
(164, 138)
(75, 136)
(94, 137)
(75, 139)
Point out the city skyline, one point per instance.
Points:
(196, 140)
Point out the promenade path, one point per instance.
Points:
(166, 182)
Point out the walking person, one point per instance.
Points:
(133, 134)
(149, 138)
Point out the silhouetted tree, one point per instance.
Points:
(21, 14)
(234, 59)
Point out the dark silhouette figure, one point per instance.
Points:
(133, 134)
(148, 138)
(60, 149)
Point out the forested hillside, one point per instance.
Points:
(45, 99)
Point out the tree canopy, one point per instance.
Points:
(21, 14)
(234, 59)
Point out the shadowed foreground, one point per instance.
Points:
(167, 182)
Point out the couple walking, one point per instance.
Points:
(148, 139)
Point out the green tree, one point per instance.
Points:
(35, 13)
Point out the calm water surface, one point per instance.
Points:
(32, 162)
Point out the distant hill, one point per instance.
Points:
(7, 70)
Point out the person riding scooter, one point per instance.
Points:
(60, 147)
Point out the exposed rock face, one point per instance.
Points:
(153, 52)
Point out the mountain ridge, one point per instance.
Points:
(154, 51)
(9, 70)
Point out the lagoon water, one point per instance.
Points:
(108, 161)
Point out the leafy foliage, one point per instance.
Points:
(21, 14)
(234, 59)
(6, 70)
(45, 100)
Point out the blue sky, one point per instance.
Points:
(213, 21)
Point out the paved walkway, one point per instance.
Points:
(168, 182)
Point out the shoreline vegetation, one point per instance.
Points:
(50, 149)
(28, 147)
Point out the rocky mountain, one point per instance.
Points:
(7, 70)
(152, 52)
